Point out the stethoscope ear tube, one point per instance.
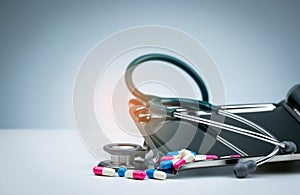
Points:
(164, 58)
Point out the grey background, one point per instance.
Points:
(42, 43)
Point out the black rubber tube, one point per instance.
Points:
(165, 58)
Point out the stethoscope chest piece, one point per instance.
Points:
(123, 154)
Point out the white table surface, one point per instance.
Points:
(56, 162)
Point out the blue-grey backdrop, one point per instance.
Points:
(255, 44)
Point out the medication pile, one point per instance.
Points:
(168, 164)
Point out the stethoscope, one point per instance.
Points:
(146, 106)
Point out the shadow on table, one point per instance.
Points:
(292, 167)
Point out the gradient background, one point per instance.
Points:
(255, 44)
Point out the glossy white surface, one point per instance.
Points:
(56, 162)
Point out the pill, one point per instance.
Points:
(104, 171)
(186, 159)
(173, 153)
(235, 156)
(169, 158)
(155, 174)
(205, 157)
(231, 156)
(135, 174)
(184, 152)
(121, 171)
(181, 152)
(168, 164)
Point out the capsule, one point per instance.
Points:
(155, 174)
(181, 153)
(186, 159)
(167, 164)
(121, 171)
(104, 171)
(205, 157)
(173, 153)
(135, 174)
(169, 158)
(185, 152)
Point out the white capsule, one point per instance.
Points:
(184, 152)
(189, 157)
(160, 175)
(200, 157)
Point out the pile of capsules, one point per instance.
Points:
(132, 174)
(166, 164)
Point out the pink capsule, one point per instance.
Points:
(186, 159)
(211, 157)
(104, 171)
(205, 157)
(166, 158)
(235, 156)
(169, 158)
(135, 174)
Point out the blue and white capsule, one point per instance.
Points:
(181, 153)
(168, 164)
(155, 174)
(173, 153)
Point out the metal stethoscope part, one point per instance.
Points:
(124, 154)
